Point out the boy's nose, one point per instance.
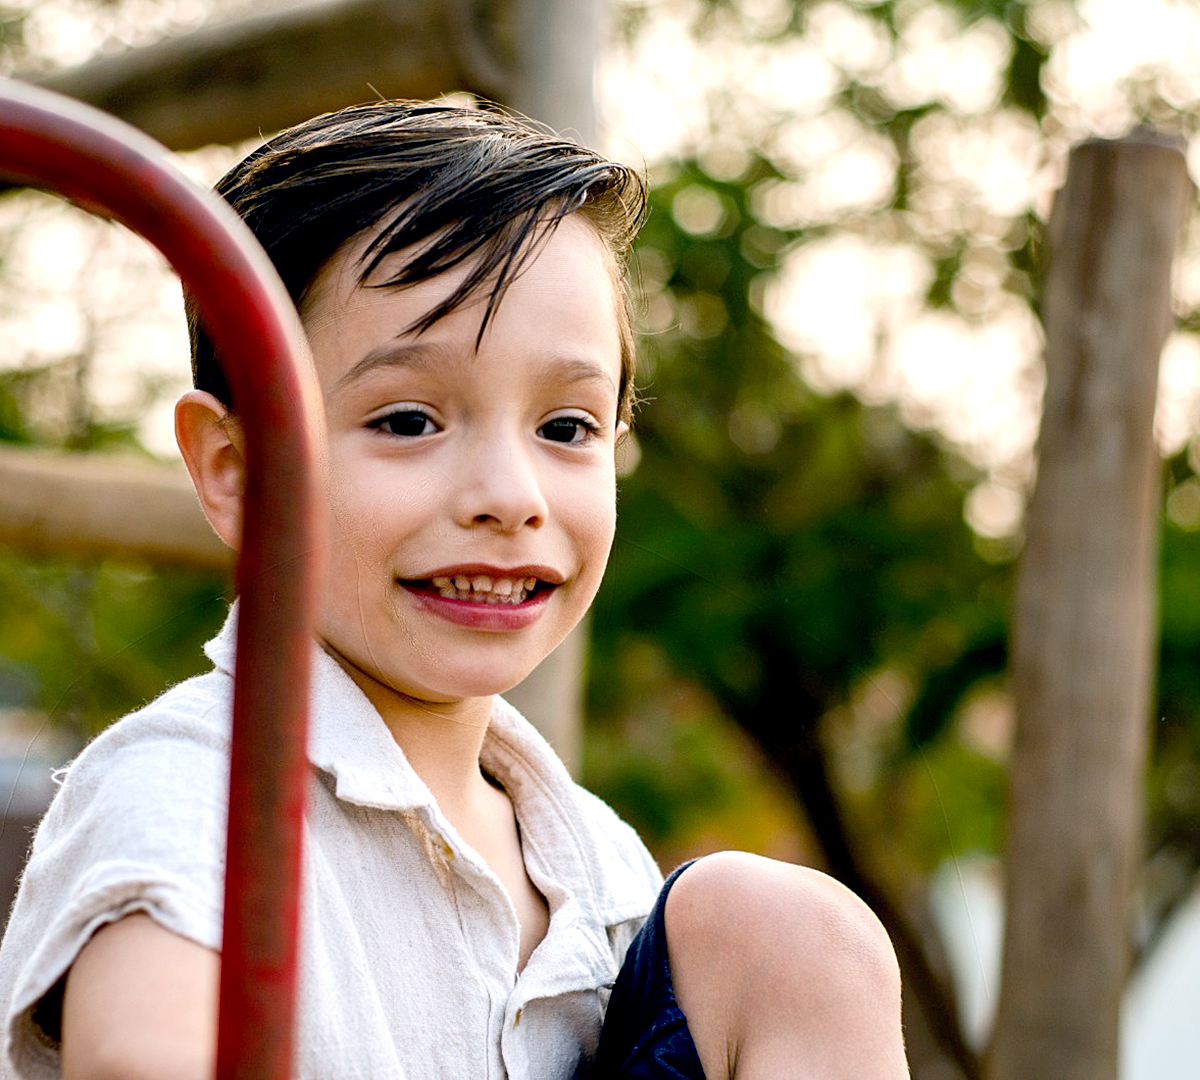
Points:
(500, 488)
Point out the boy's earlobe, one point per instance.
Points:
(210, 440)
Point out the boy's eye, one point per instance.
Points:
(408, 423)
(567, 429)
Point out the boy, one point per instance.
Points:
(467, 908)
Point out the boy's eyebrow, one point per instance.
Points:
(416, 356)
(570, 370)
(419, 357)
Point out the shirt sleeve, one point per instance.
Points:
(137, 826)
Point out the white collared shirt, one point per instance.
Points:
(409, 942)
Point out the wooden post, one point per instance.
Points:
(559, 42)
(1084, 626)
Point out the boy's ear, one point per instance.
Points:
(210, 439)
(628, 453)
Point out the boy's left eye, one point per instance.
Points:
(567, 429)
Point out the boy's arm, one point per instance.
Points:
(140, 1004)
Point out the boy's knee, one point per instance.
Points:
(774, 962)
(735, 890)
(755, 919)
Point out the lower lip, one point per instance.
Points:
(482, 616)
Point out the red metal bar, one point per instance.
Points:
(51, 142)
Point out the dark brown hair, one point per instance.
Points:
(454, 184)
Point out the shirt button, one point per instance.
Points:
(517, 1018)
(447, 850)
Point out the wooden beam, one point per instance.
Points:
(237, 79)
(98, 505)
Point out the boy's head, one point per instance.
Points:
(454, 185)
(458, 273)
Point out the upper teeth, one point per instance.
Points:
(485, 588)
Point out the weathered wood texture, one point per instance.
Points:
(1084, 625)
(557, 48)
(234, 80)
(95, 505)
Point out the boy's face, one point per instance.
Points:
(471, 492)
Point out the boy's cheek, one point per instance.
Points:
(358, 497)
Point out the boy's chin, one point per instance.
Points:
(434, 678)
(480, 675)
(483, 687)
(467, 686)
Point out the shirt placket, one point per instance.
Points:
(490, 933)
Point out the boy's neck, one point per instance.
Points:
(442, 743)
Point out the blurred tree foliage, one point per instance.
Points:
(1173, 784)
(800, 559)
(781, 548)
(803, 561)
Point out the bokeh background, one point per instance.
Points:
(802, 645)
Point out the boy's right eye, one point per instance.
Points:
(406, 423)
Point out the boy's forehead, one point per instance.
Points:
(560, 309)
(339, 283)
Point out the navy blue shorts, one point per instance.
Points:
(645, 1034)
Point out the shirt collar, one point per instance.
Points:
(565, 828)
(347, 738)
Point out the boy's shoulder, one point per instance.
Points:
(618, 834)
(137, 824)
(145, 800)
(162, 767)
(188, 722)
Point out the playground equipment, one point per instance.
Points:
(111, 169)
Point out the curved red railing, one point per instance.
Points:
(51, 142)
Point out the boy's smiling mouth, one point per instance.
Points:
(493, 587)
(483, 588)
